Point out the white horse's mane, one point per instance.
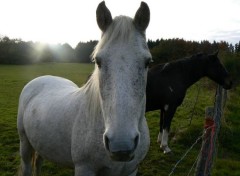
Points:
(92, 92)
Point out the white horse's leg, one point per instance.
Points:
(38, 164)
(26, 152)
(84, 170)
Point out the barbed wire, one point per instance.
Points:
(185, 154)
(219, 108)
(190, 148)
(195, 162)
(194, 106)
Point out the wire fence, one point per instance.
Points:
(204, 160)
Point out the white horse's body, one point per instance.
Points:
(53, 137)
(100, 128)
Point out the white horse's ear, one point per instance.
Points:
(104, 17)
(142, 17)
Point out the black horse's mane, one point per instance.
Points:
(177, 64)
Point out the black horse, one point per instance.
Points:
(167, 85)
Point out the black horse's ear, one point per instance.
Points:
(214, 56)
(104, 17)
(142, 17)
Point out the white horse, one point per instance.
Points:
(98, 129)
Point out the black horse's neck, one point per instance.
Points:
(193, 69)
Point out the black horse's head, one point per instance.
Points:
(217, 72)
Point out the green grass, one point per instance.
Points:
(12, 80)
(182, 136)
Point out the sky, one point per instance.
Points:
(72, 21)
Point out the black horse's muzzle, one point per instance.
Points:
(227, 83)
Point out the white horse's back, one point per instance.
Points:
(45, 115)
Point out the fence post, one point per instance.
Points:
(218, 109)
(212, 127)
(200, 168)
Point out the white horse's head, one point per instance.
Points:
(121, 62)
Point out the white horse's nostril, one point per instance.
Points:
(136, 141)
(106, 142)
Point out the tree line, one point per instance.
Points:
(16, 51)
(172, 49)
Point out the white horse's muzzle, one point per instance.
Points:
(121, 149)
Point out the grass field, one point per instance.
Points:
(183, 135)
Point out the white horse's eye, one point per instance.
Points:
(148, 62)
(98, 61)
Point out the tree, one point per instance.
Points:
(14, 51)
(83, 51)
(237, 47)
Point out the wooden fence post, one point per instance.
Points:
(212, 127)
(218, 110)
(200, 169)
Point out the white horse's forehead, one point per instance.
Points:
(127, 50)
